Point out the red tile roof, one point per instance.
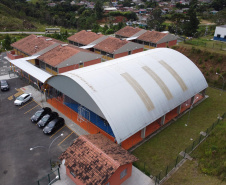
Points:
(60, 54)
(128, 31)
(33, 44)
(85, 37)
(152, 36)
(95, 158)
(110, 45)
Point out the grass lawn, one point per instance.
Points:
(162, 149)
(189, 174)
(209, 162)
(207, 44)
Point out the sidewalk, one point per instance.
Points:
(137, 177)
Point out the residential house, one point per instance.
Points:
(95, 159)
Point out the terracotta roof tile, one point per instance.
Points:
(60, 53)
(152, 36)
(128, 31)
(94, 158)
(33, 44)
(110, 45)
(85, 37)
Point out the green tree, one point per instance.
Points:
(98, 9)
(220, 17)
(191, 21)
(155, 20)
(7, 42)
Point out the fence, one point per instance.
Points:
(50, 178)
(187, 151)
(183, 155)
(211, 45)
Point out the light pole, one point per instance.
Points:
(223, 80)
(190, 111)
(40, 92)
(48, 149)
(56, 178)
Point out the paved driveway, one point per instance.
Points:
(19, 165)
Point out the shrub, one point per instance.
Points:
(200, 61)
(211, 70)
(218, 70)
(220, 59)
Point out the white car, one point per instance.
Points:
(23, 98)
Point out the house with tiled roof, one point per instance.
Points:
(115, 48)
(155, 39)
(150, 39)
(95, 159)
(84, 38)
(67, 57)
(129, 31)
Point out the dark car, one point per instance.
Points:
(53, 125)
(39, 114)
(4, 85)
(47, 118)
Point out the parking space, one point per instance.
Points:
(20, 165)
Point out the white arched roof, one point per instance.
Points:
(133, 91)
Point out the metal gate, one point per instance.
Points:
(83, 114)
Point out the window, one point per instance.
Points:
(54, 69)
(218, 35)
(123, 173)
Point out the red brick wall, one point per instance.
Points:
(75, 180)
(162, 45)
(91, 62)
(137, 50)
(115, 178)
(172, 43)
(121, 55)
(68, 68)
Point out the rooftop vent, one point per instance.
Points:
(64, 45)
(49, 39)
(39, 36)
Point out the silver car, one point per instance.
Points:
(22, 99)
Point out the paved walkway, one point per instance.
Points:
(137, 177)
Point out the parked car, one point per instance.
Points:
(53, 125)
(47, 118)
(23, 98)
(4, 85)
(40, 113)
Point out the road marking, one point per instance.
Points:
(57, 131)
(70, 129)
(26, 104)
(65, 139)
(37, 103)
(31, 109)
(17, 94)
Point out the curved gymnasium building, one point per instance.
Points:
(129, 98)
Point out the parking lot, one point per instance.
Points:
(19, 164)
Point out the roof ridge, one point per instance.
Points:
(101, 151)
